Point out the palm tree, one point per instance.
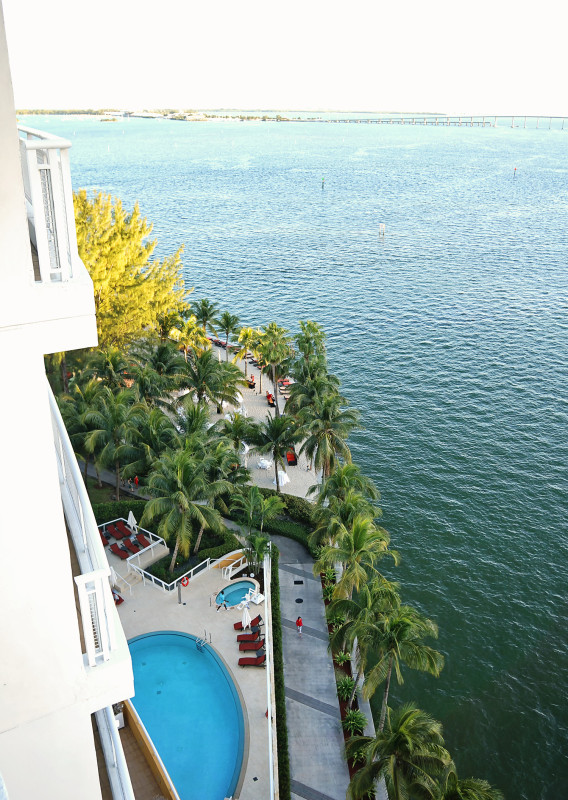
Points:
(229, 324)
(248, 338)
(311, 389)
(257, 547)
(276, 436)
(165, 324)
(82, 398)
(109, 366)
(201, 377)
(409, 754)
(399, 640)
(311, 340)
(230, 380)
(451, 788)
(338, 515)
(178, 488)
(362, 614)
(327, 427)
(276, 348)
(205, 312)
(157, 434)
(161, 356)
(345, 478)
(191, 336)
(239, 430)
(115, 420)
(256, 508)
(357, 547)
(148, 385)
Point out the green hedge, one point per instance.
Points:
(104, 512)
(280, 698)
(229, 542)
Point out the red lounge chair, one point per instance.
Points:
(142, 539)
(123, 528)
(113, 530)
(248, 637)
(119, 551)
(291, 458)
(103, 540)
(238, 626)
(251, 645)
(131, 545)
(253, 662)
(117, 598)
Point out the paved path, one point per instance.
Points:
(315, 738)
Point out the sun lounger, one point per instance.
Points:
(251, 645)
(238, 626)
(103, 540)
(248, 637)
(253, 662)
(132, 546)
(123, 528)
(113, 530)
(291, 458)
(119, 551)
(142, 539)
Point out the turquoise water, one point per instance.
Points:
(449, 334)
(236, 593)
(192, 712)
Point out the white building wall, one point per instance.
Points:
(46, 693)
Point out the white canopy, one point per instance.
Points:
(283, 478)
(246, 618)
(131, 522)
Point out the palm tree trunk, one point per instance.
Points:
(385, 697)
(198, 542)
(354, 692)
(117, 465)
(276, 473)
(275, 389)
(173, 562)
(98, 474)
(227, 348)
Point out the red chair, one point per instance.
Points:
(119, 551)
(123, 528)
(103, 540)
(113, 530)
(291, 458)
(248, 637)
(131, 545)
(238, 626)
(142, 539)
(251, 645)
(253, 662)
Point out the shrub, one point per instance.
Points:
(104, 512)
(329, 575)
(343, 657)
(354, 722)
(280, 699)
(328, 592)
(345, 686)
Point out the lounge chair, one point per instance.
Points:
(291, 458)
(249, 637)
(238, 626)
(132, 546)
(123, 528)
(113, 530)
(251, 645)
(104, 540)
(142, 539)
(253, 662)
(119, 551)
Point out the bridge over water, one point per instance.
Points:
(531, 122)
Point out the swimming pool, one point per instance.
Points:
(236, 592)
(192, 711)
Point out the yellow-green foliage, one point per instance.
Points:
(131, 290)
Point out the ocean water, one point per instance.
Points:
(449, 333)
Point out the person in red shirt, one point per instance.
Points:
(299, 625)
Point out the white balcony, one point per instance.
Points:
(106, 659)
(49, 204)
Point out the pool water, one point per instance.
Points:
(191, 709)
(236, 592)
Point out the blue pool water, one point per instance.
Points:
(236, 592)
(191, 710)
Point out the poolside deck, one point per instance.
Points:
(149, 609)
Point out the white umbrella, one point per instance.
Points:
(283, 478)
(238, 398)
(246, 620)
(131, 522)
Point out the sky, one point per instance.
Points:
(487, 57)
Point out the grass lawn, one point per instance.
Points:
(97, 495)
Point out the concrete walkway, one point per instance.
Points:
(315, 737)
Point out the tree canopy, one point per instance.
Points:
(133, 292)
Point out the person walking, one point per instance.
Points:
(222, 603)
(299, 625)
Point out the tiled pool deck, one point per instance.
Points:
(150, 609)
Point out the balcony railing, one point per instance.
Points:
(49, 202)
(98, 613)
